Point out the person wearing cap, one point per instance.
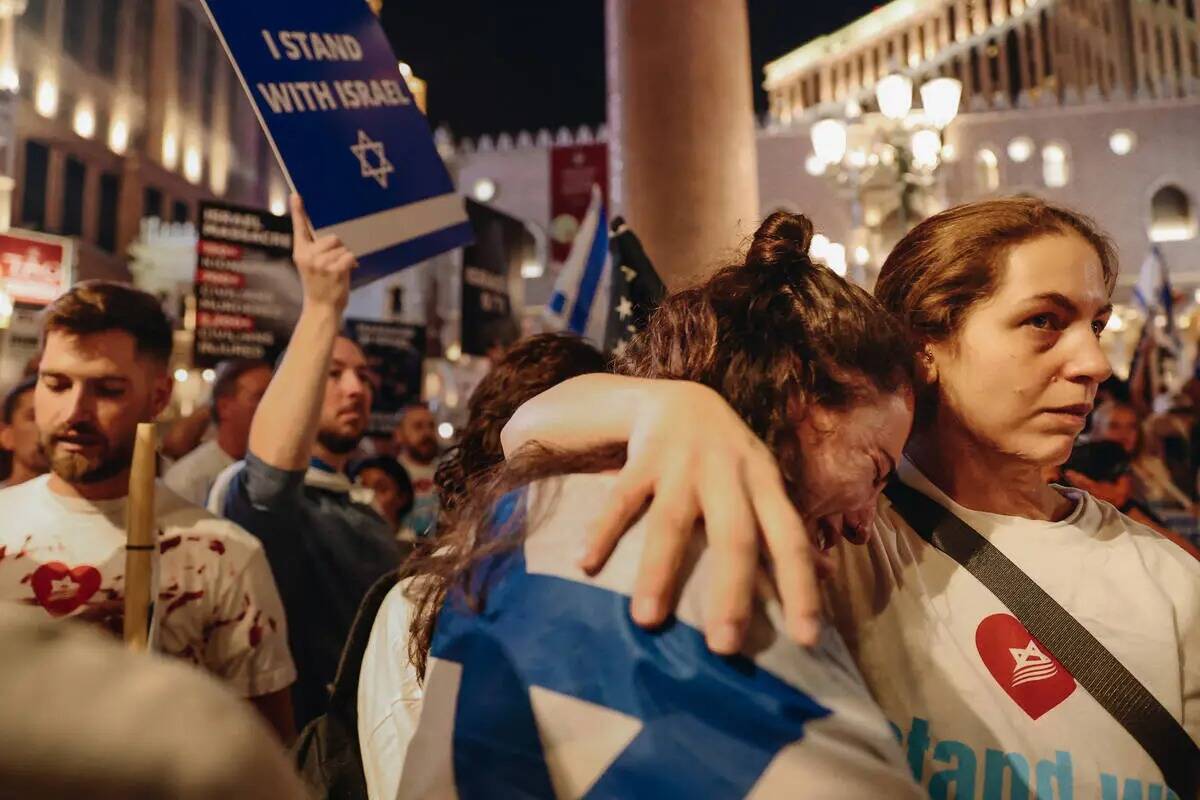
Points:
(1103, 469)
(392, 490)
(237, 391)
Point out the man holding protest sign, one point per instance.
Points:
(325, 543)
(103, 370)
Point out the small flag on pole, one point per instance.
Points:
(636, 289)
(1153, 294)
(574, 303)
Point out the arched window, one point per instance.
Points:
(1171, 216)
(1056, 166)
(987, 169)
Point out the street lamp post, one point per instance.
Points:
(895, 151)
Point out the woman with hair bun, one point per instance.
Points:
(1004, 302)
(525, 677)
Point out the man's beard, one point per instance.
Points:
(425, 450)
(338, 443)
(79, 468)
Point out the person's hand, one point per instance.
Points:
(324, 264)
(693, 459)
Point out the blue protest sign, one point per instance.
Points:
(329, 94)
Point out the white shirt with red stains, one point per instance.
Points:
(217, 605)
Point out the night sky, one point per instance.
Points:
(505, 66)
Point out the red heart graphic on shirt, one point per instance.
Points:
(60, 589)
(1032, 677)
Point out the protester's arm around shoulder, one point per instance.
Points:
(690, 458)
(285, 424)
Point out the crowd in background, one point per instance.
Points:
(283, 524)
(1142, 459)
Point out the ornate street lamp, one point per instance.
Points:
(895, 150)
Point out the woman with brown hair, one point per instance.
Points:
(525, 677)
(1004, 301)
(523, 371)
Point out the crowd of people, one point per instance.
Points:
(675, 572)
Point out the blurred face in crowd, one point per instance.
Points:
(848, 456)
(20, 437)
(389, 500)
(1117, 422)
(416, 435)
(92, 391)
(236, 410)
(1021, 374)
(347, 406)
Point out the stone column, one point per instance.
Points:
(681, 130)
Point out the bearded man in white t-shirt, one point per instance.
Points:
(103, 370)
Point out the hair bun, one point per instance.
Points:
(781, 241)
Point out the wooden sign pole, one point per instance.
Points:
(140, 530)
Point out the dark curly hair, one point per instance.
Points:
(527, 369)
(771, 335)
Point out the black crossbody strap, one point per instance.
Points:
(1092, 665)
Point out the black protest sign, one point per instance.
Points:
(491, 278)
(395, 354)
(247, 291)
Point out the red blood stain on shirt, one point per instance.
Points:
(3, 549)
(211, 627)
(217, 546)
(23, 551)
(184, 599)
(193, 538)
(167, 544)
(27, 578)
(256, 631)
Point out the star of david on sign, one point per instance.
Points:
(561, 694)
(366, 148)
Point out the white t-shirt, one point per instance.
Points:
(192, 476)
(559, 649)
(217, 604)
(977, 702)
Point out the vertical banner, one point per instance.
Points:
(395, 353)
(349, 137)
(247, 291)
(574, 169)
(491, 267)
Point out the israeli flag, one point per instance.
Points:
(549, 690)
(1153, 294)
(577, 303)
